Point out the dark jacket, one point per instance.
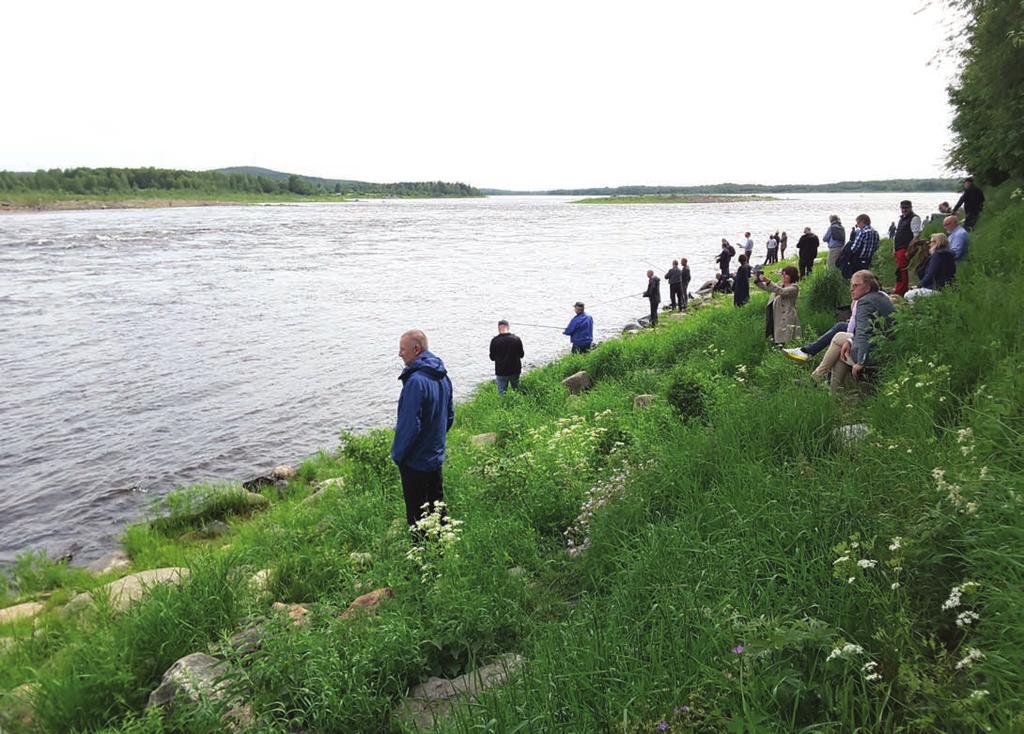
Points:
(675, 275)
(724, 258)
(507, 354)
(685, 270)
(425, 413)
(653, 289)
(808, 246)
(741, 285)
(972, 200)
(869, 306)
(940, 270)
(580, 330)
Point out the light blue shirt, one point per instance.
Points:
(958, 242)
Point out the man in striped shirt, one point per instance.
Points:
(859, 253)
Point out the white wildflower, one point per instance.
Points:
(984, 473)
(953, 601)
(867, 563)
(971, 507)
(869, 666)
(894, 585)
(964, 435)
(841, 559)
(896, 543)
(973, 655)
(845, 651)
(966, 619)
(851, 579)
(977, 694)
(871, 677)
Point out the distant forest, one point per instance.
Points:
(895, 184)
(126, 181)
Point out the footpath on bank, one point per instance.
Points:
(696, 543)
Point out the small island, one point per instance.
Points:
(676, 199)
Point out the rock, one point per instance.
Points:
(247, 641)
(21, 611)
(642, 401)
(17, 708)
(256, 501)
(283, 472)
(191, 679)
(577, 383)
(338, 482)
(368, 603)
(259, 581)
(429, 702)
(209, 531)
(631, 328)
(854, 433)
(127, 590)
(709, 285)
(484, 439)
(116, 561)
(296, 612)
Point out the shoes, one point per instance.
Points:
(797, 354)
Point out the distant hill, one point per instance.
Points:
(894, 184)
(348, 186)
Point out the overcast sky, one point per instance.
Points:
(497, 94)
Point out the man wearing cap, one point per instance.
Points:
(653, 294)
(907, 230)
(507, 355)
(580, 330)
(972, 200)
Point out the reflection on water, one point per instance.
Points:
(147, 349)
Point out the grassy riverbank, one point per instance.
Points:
(746, 568)
(675, 199)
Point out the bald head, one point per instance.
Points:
(411, 345)
(951, 222)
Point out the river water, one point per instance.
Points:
(144, 350)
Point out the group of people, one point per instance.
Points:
(426, 410)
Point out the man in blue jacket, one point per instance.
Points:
(580, 330)
(425, 414)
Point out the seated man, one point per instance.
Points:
(848, 352)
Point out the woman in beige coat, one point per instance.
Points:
(782, 324)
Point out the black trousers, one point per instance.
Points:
(420, 488)
(675, 293)
(806, 263)
(654, 311)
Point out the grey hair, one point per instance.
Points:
(868, 278)
(416, 337)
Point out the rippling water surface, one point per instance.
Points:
(147, 349)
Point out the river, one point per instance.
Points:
(149, 349)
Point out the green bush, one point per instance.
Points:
(686, 394)
(825, 290)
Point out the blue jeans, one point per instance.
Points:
(825, 339)
(505, 382)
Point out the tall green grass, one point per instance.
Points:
(722, 569)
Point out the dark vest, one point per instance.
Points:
(904, 236)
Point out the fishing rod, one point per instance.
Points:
(539, 326)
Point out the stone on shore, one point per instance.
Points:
(26, 610)
(631, 328)
(129, 589)
(283, 472)
(259, 582)
(116, 561)
(577, 383)
(17, 708)
(643, 401)
(191, 679)
(431, 701)
(322, 487)
(484, 439)
(852, 434)
(368, 603)
(296, 612)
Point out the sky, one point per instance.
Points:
(512, 95)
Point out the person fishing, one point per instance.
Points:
(580, 330)
(653, 294)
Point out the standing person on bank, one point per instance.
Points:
(783, 244)
(772, 250)
(675, 291)
(748, 247)
(741, 283)
(580, 330)
(725, 257)
(906, 231)
(781, 322)
(973, 201)
(835, 238)
(507, 354)
(425, 415)
(807, 246)
(861, 249)
(653, 294)
(684, 282)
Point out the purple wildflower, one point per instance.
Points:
(680, 710)
(662, 726)
(739, 649)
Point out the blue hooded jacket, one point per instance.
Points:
(425, 413)
(580, 329)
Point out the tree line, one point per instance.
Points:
(895, 184)
(988, 95)
(126, 181)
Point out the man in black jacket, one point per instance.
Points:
(807, 245)
(684, 282)
(972, 200)
(507, 355)
(653, 294)
(675, 285)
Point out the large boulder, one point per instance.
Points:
(129, 589)
(17, 708)
(577, 383)
(631, 328)
(191, 679)
(429, 702)
(21, 611)
(116, 561)
(368, 603)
